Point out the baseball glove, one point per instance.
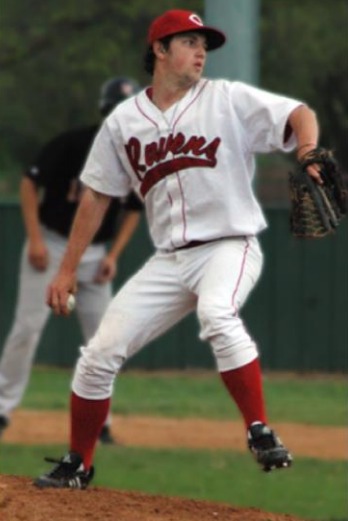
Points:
(316, 210)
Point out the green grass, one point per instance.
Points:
(317, 401)
(312, 489)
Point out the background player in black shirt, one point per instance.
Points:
(50, 191)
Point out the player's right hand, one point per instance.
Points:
(58, 292)
(38, 255)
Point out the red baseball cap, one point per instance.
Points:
(180, 21)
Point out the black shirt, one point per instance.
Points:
(57, 169)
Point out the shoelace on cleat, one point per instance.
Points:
(62, 468)
(266, 441)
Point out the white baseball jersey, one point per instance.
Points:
(192, 164)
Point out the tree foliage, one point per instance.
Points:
(55, 55)
(304, 54)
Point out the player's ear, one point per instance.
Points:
(159, 49)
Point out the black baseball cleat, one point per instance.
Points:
(4, 423)
(267, 448)
(68, 472)
(106, 437)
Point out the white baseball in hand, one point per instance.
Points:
(71, 302)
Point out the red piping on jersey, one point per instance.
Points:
(189, 105)
(144, 114)
(158, 172)
(171, 204)
(177, 173)
(241, 272)
(182, 207)
(149, 93)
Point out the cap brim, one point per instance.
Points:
(215, 38)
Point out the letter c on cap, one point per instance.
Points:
(195, 19)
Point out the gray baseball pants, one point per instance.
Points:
(32, 312)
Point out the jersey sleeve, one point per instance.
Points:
(264, 117)
(103, 171)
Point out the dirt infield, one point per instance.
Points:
(47, 427)
(21, 501)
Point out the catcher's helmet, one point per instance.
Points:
(115, 90)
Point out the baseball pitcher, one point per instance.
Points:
(187, 146)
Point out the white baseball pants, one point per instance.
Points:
(214, 279)
(32, 313)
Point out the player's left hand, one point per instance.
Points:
(312, 169)
(317, 208)
(106, 271)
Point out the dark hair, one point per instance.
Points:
(150, 58)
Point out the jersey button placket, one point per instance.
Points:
(173, 188)
(175, 196)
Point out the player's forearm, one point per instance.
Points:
(304, 124)
(30, 209)
(125, 233)
(87, 221)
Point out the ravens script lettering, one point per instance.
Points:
(168, 155)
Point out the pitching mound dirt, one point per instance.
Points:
(49, 427)
(20, 500)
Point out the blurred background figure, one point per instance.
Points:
(50, 191)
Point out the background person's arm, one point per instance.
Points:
(108, 266)
(37, 251)
(87, 221)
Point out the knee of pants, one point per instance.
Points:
(95, 373)
(218, 322)
(103, 357)
(23, 336)
(231, 343)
